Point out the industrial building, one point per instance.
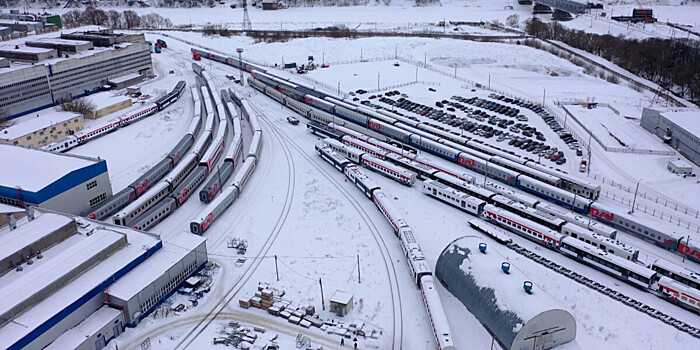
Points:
(25, 88)
(679, 166)
(125, 81)
(61, 46)
(69, 183)
(680, 129)
(60, 276)
(48, 126)
(5, 31)
(21, 26)
(498, 297)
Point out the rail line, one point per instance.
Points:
(397, 329)
(252, 267)
(670, 320)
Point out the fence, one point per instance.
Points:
(654, 212)
(612, 149)
(668, 203)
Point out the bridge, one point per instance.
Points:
(546, 6)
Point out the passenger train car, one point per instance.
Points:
(93, 133)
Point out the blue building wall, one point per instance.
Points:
(65, 183)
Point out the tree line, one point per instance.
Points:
(673, 64)
(115, 19)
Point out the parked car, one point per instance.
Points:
(292, 120)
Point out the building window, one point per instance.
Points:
(92, 184)
(97, 200)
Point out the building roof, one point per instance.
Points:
(24, 49)
(172, 252)
(59, 41)
(26, 235)
(680, 163)
(33, 170)
(341, 297)
(75, 336)
(90, 282)
(688, 120)
(105, 99)
(44, 119)
(125, 78)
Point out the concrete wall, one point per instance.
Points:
(686, 143)
(48, 134)
(77, 200)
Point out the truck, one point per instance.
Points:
(162, 43)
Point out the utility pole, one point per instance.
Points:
(359, 279)
(544, 93)
(240, 62)
(277, 271)
(323, 303)
(687, 243)
(486, 172)
(378, 81)
(416, 74)
(635, 196)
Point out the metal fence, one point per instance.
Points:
(663, 215)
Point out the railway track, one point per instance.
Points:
(672, 321)
(397, 327)
(212, 315)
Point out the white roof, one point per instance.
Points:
(25, 49)
(680, 163)
(26, 235)
(508, 288)
(45, 119)
(7, 209)
(341, 297)
(90, 278)
(54, 40)
(33, 170)
(75, 336)
(141, 277)
(105, 99)
(688, 120)
(124, 78)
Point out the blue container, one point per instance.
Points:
(505, 266)
(482, 247)
(528, 287)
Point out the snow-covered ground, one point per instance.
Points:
(298, 208)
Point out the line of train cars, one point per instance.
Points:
(93, 133)
(181, 183)
(533, 178)
(591, 248)
(420, 269)
(217, 206)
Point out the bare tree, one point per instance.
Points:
(72, 17)
(116, 19)
(81, 106)
(154, 20)
(94, 16)
(132, 19)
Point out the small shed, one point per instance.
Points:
(679, 166)
(270, 5)
(341, 303)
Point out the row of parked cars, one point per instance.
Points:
(548, 118)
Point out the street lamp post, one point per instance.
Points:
(635, 196)
(240, 64)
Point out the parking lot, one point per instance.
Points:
(514, 126)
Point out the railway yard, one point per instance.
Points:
(355, 178)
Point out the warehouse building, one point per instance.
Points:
(69, 183)
(680, 129)
(125, 81)
(515, 317)
(21, 26)
(27, 88)
(48, 126)
(57, 272)
(62, 46)
(26, 53)
(5, 31)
